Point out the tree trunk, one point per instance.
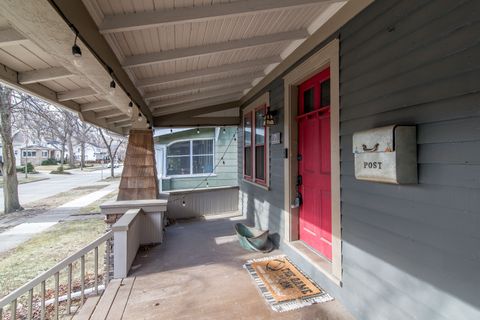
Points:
(62, 155)
(10, 182)
(82, 155)
(71, 153)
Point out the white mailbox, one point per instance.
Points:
(386, 154)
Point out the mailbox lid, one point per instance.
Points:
(374, 140)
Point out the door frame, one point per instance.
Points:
(328, 56)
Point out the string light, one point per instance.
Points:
(198, 130)
(111, 89)
(76, 51)
(207, 183)
(224, 130)
(183, 203)
(171, 130)
(130, 107)
(140, 118)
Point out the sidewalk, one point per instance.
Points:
(37, 224)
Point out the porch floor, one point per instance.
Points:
(197, 273)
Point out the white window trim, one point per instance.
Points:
(328, 56)
(264, 99)
(191, 175)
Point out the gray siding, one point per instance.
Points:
(408, 251)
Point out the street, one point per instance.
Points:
(57, 183)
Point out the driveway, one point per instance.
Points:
(57, 183)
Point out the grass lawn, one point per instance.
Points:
(43, 251)
(21, 178)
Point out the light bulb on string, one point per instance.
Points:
(224, 130)
(77, 53)
(140, 117)
(130, 107)
(183, 203)
(207, 183)
(198, 130)
(111, 88)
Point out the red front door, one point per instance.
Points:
(314, 163)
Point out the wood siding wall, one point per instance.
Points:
(408, 251)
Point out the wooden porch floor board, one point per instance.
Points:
(106, 301)
(197, 273)
(87, 309)
(121, 299)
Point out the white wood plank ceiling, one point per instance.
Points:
(184, 54)
(172, 55)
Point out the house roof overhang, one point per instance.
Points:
(180, 64)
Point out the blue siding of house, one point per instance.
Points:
(409, 251)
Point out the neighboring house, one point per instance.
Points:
(192, 158)
(36, 154)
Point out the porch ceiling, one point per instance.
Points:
(185, 55)
(173, 58)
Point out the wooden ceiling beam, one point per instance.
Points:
(211, 48)
(195, 97)
(151, 19)
(76, 94)
(11, 37)
(242, 81)
(108, 113)
(208, 71)
(229, 98)
(97, 105)
(40, 75)
(194, 122)
(117, 119)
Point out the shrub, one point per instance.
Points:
(60, 170)
(49, 162)
(30, 168)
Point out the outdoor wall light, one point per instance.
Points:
(269, 119)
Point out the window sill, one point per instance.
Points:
(191, 176)
(316, 260)
(261, 186)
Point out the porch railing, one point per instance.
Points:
(41, 280)
(128, 233)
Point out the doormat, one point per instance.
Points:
(283, 285)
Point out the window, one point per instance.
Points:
(247, 153)
(44, 154)
(191, 157)
(34, 153)
(260, 145)
(255, 145)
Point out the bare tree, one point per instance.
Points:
(112, 142)
(9, 99)
(56, 124)
(83, 135)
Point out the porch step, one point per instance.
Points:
(87, 309)
(110, 305)
(103, 306)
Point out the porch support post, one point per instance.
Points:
(139, 176)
